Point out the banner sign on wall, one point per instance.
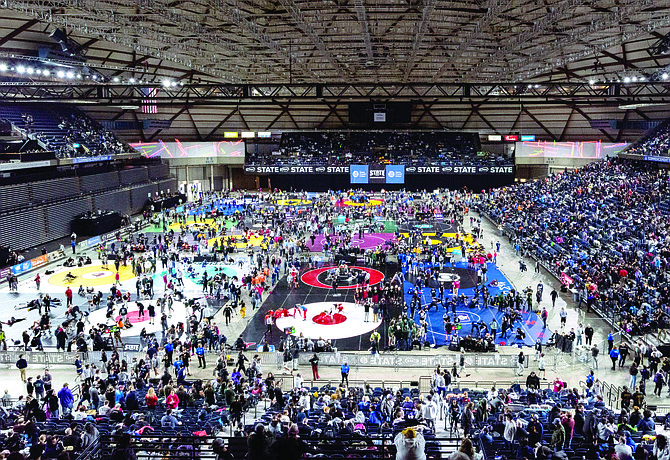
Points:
(358, 174)
(90, 242)
(45, 357)
(22, 267)
(78, 160)
(402, 169)
(377, 174)
(487, 360)
(657, 159)
(39, 261)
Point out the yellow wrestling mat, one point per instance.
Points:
(190, 224)
(91, 275)
(292, 202)
(239, 244)
(467, 238)
(368, 203)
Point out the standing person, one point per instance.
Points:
(461, 363)
(200, 351)
(520, 362)
(429, 411)
(554, 295)
(610, 342)
(38, 281)
(152, 313)
(580, 333)
(659, 380)
(614, 356)
(344, 370)
(633, 371)
(375, 337)
(588, 333)
(22, 364)
(509, 432)
(538, 349)
(594, 357)
(623, 353)
(68, 296)
(542, 367)
(66, 399)
(564, 316)
(314, 361)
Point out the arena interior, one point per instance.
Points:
(418, 229)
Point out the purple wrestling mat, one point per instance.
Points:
(371, 241)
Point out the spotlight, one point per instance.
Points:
(173, 84)
(21, 69)
(166, 83)
(642, 78)
(3, 67)
(664, 76)
(131, 80)
(30, 70)
(79, 76)
(38, 71)
(591, 81)
(46, 72)
(116, 79)
(70, 75)
(634, 79)
(626, 79)
(94, 77)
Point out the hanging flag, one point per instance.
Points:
(149, 105)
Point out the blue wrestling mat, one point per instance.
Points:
(530, 323)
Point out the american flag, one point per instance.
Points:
(149, 105)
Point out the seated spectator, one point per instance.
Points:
(169, 420)
(410, 445)
(646, 425)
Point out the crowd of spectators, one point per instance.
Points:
(68, 132)
(600, 231)
(657, 143)
(338, 149)
(93, 139)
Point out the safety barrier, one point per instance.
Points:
(166, 447)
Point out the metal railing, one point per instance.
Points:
(373, 446)
(423, 383)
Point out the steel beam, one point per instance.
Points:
(340, 93)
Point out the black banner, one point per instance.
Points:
(412, 170)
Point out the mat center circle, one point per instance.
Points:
(326, 319)
(97, 275)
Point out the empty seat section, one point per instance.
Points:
(140, 195)
(160, 171)
(23, 229)
(98, 182)
(59, 216)
(54, 190)
(169, 185)
(14, 196)
(113, 201)
(134, 176)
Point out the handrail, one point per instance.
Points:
(91, 452)
(373, 446)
